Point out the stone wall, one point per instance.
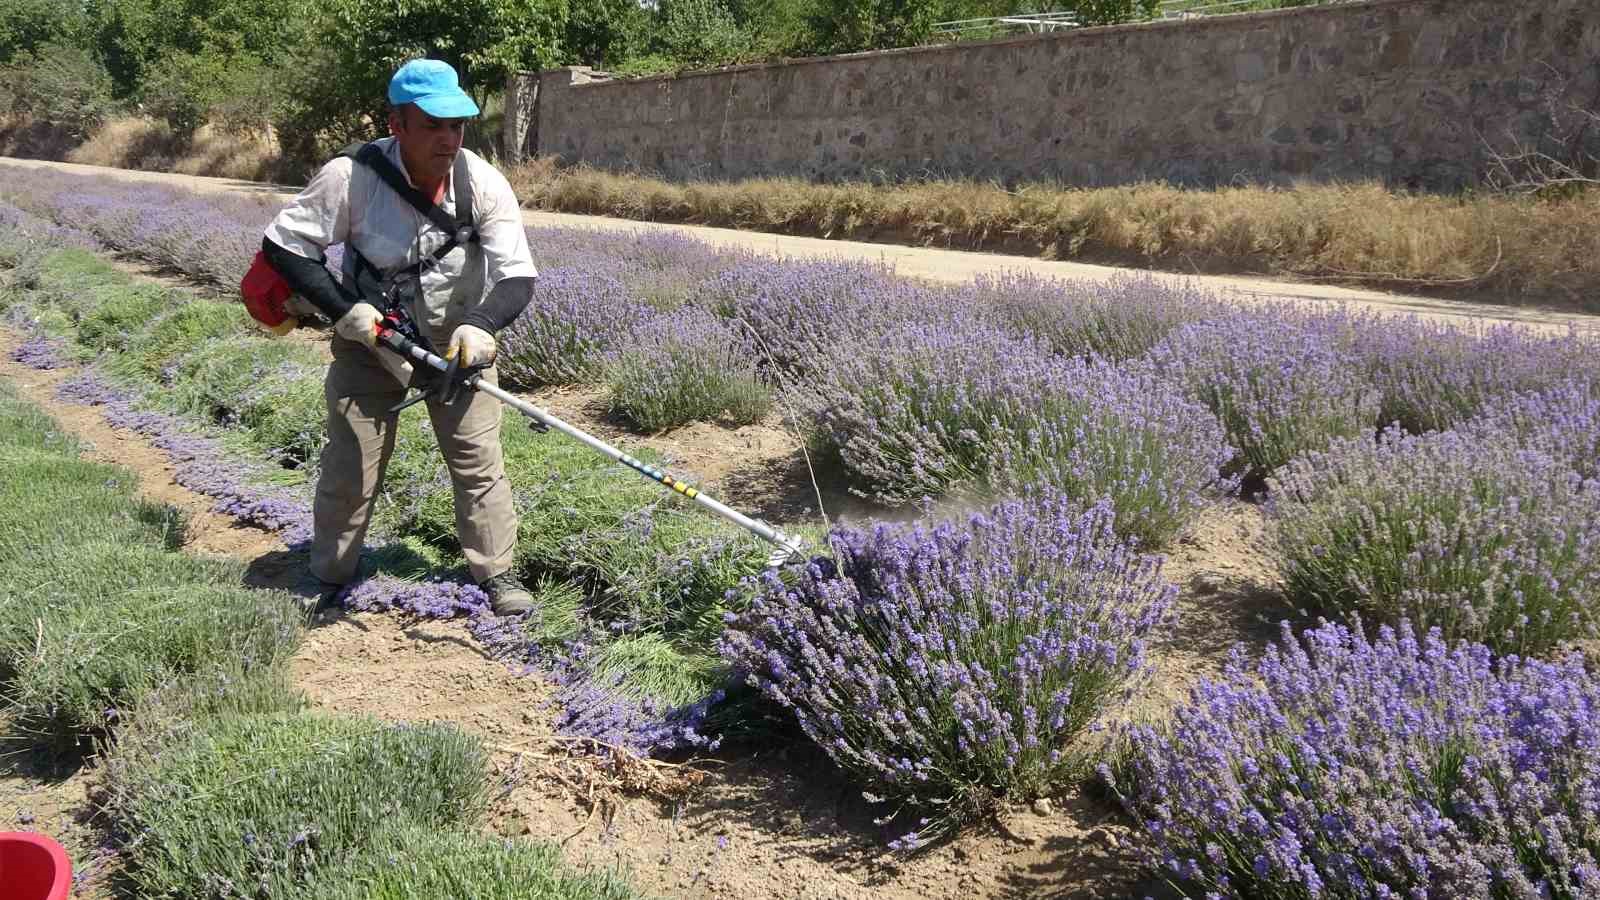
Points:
(1407, 91)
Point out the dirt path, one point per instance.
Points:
(940, 265)
(776, 823)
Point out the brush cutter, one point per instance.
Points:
(392, 334)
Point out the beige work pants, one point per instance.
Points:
(361, 435)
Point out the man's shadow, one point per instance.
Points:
(283, 570)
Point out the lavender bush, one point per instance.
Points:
(682, 367)
(1433, 376)
(120, 313)
(183, 329)
(944, 665)
(1563, 422)
(1280, 384)
(211, 237)
(1119, 319)
(1470, 533)
(270, 389)
(797, 313)
(575, 319)
(1342, 767)
(928, 411)
(24, 237)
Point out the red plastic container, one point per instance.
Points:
(33, 867)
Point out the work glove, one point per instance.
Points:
(473, 345)
(360, 324)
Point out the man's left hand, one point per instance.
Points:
(473, 345)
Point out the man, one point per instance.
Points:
(459, 301)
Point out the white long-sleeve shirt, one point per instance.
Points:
(349, 203)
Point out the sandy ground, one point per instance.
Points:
(937, 264)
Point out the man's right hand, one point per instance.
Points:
(360, 324)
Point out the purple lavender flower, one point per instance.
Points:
(1281, 383)
(1433, 376)
(1119, 319)
(1389, 768)
(433, 599)
(795, 314)
(41, 352)
(595, 707)
(575, 318)
(923, 411)
(1563, 422)
(944, 664)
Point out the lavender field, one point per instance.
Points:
(1022, 455)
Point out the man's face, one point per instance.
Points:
(427, 145)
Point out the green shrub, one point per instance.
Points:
(118, 312)
(170, 712)
(95, 607)
(51, 501)
(259, 804)
(25, 428)
(636, 555)
(685, 366)
(70, 275)
(59, 85)
(94, 625)
(650, 666)
(1471, 532)
(558, 605)
(272, 389)
(175, 335)
(419, 863)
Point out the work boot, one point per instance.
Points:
(507, 596)
(319, 600)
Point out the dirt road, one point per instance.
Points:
(943, 265)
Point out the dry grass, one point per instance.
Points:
(139, 143)
(28, 139)
(1498, 248)
(1507, 249)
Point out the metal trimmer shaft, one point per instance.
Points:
(788, 548)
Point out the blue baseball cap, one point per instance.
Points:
(434, 87)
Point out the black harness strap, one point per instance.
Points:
(370, 283)
(461, 229)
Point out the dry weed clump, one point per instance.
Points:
(1515, 248)
(133, 142)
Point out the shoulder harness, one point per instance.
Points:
(461, 229)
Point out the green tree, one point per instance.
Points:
(332, 87)
(699, 33)
(27, 25)
(847, 26)
(603, 33)
(141, 39)
(1108, 12)
(776, 27)
(483, 39)
(58, 85)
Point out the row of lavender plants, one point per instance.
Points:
(213, 778)
(680, 332)
(1299, 394)
(189, 374)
